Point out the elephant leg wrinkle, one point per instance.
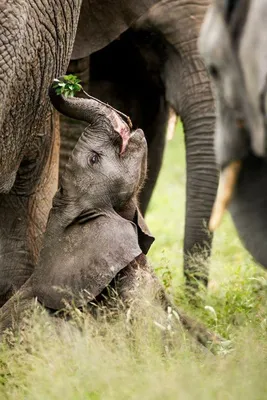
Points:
(24, 211)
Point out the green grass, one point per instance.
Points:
(102, 360)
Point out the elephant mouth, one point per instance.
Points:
(124, 134)
(236, 161)
(237, 157)
(137, 135)
(135, 138)
(248, 206)
(243, 190)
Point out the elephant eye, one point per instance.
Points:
(94, 158)
(214, 72)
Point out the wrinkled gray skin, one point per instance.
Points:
(95, 235)
(36, 42)
(156, 64)
(233, 44)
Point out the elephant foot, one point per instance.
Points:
(196, 272)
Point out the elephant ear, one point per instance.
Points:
(145, 238)
(76, 265)
(131, 212)
(102, 21)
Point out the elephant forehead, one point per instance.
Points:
(96, 139)
(84, 260)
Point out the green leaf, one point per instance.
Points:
(68, 86)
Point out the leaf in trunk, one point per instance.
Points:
(68, 85)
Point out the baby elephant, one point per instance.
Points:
(95, 235)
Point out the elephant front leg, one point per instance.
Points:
(137, 282)
(24, 211)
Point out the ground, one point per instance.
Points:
(124, 361)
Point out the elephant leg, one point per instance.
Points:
(24, 211)
(134, 279)
(137, 282)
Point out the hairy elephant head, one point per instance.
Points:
(94, 228)
(235, 53)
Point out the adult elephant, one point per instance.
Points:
(153, 66)
(36, 42)
(233, 44)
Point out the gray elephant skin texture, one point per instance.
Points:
(233, 45)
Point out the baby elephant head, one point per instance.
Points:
(108, 164)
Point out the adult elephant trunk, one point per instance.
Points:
(197, 114)
(188, 90)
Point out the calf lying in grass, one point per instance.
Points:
(95, 235)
